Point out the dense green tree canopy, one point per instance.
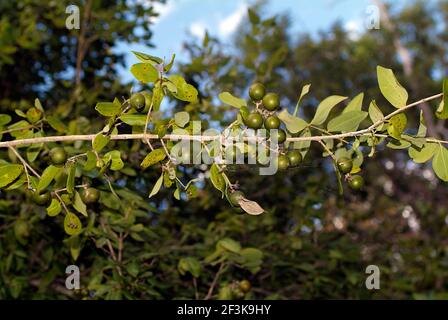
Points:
(187, 241)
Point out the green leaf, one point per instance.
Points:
(355, 104)
(181, 118)
(153, 157)
(91, 161)
(134, 119)
(114, 157)
(54, 208)
(157, 186)
(397, 124)
(440, 163)
(79, 205)
(391, 88)
(303, 146)
(231, 100)
(229, 245)
(72, 224)
(253, 16)
(190, 265)
(71, 171)
(442, 113)
(376, 114)
(346, 122)
(48, 176)
(424, 154)
(422, 130)
(144, 72)
(38, 105)
(9, 173)
(292, 123)
(99, 142)
(170, 64)
(17, 183)
(4, 119)
(324, 108)
(217, 179)
(304, 92)
(108, 109)
(147, 58)
(157, 97)
(185, 91)
(56, 124)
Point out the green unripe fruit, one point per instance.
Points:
(356, 182)
(225, 293)
(281, 136)
(148, 100)
(42, 199)
(282, 162)
(245, 286)
(235, 197)
(295, 157)
(58, 156)
(271, 101)
(137, 101)
(90, 195)
(272, 122)
(21, 231)
(254, 121)
(257, 91)
(33, 115)
(345, 165)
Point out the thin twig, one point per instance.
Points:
(215, 280)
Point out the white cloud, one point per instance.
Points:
(197, 29)
(162, 9)
(355, 28)
(229, 24)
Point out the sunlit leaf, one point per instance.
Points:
(391, 88)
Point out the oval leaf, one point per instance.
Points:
(391, 88)
(346, 122)
(72, 224)
(251, 207)
(231, 100)
(9, 173)
(324, 108)
(440, 163)
(153, 157)
(145, 72)
(292, 123)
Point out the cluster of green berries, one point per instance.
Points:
(345, 165)
(270, 103)
(58, 157)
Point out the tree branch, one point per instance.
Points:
(202, 138)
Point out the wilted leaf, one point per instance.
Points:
(251, 207)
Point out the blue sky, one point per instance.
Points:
(181, 20)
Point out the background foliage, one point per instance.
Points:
(314, 243)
